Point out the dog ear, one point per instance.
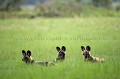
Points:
(82, 48)
(29, 53)
(58, 48)
(88, 48)
(64, 48)
(23, 52)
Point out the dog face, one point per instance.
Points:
(61, 53)
(27, 56)
(86, 52)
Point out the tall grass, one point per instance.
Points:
(42, 35)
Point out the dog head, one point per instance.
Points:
(86, 51)
(61, 53)
(27, 56)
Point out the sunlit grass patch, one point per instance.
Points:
(42, 35)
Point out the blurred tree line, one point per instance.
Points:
(61, 8)
(15, 4)
(102, 3)
(6, 5)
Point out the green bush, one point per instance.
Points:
(102, 3)
(59, 9)
(6, 5)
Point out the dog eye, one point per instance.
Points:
(22, 59)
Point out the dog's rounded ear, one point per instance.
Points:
(82, 48)
(23, 52)
(29, 53)
(88, 48)
(63, 48)
(58, 48)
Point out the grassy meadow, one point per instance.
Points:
(42, 35)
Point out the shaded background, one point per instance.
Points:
(58, 8)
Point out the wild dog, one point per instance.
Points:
(27, 58)
(61, 53)
(88, 56)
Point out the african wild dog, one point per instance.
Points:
(27, 58)
(61, 53)
(88, 56)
